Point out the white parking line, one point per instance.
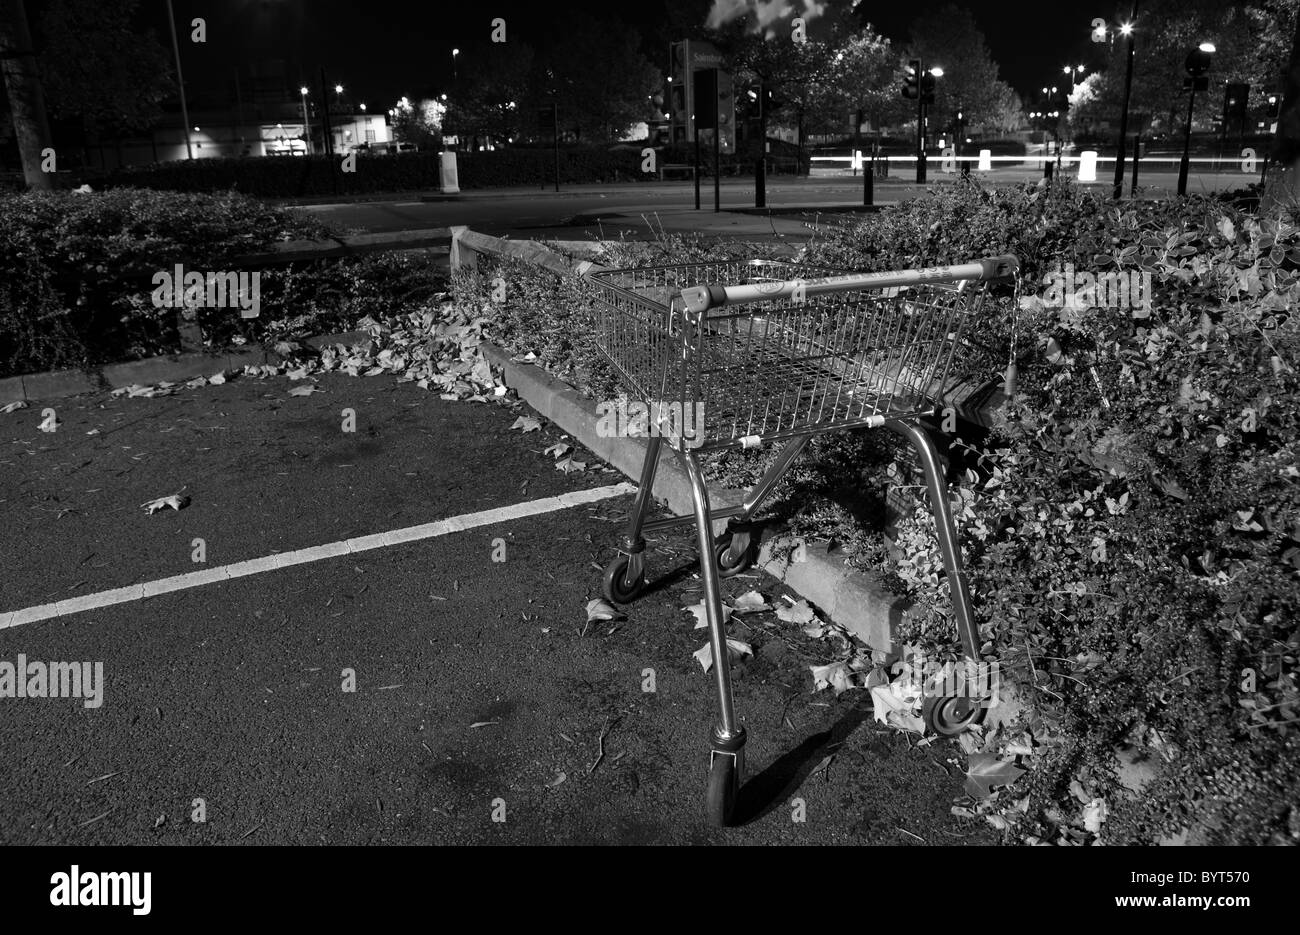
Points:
(314, 553)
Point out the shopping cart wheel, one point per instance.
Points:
(720, 798)
(615, 587)
(728, 564)
(950, 715)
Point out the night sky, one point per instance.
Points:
(382, 49)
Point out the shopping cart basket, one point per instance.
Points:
(742, 353)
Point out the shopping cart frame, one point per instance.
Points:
(735, 549)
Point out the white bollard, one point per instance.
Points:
(986, 160)
(1088, 165)
(948, 162)
(857, 160)
(447, 173)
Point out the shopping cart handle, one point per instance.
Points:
(696, 300)
(699, 299)
(1000, 267)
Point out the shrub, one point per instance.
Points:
(75, 269)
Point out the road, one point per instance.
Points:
(639, 210)
(480, 692)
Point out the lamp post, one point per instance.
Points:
(306, 124)
(180, 82)
(1197, 64)
(454, 54)
(924, 98)
(1126, 30)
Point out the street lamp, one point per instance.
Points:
(1197, 64)
(180, 82)
(306, 124)
(454, 54)
(1125, 30)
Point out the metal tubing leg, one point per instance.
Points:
(725, 732)
(754, 499)
(946, 531)
(740, 538)
(633, 544)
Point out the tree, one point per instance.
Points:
(419, 123)
(597, 75)
(861, 75)
(1007, 113)
(950, 39)
(1284, 186)
(100, 68)
(26, 97)
(1251, 41)
(763, 51)
(494, 89)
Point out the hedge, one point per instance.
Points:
(1131, 522)
(76, 271)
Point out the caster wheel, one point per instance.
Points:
(727, 566)
(614, 587)
(721, 795)
(949, 716)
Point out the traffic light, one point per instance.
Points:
(911, 85)
(927, 89)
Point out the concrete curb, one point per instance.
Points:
(56, 384)
(856, 600)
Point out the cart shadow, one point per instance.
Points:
(669, 578)
(774, 786)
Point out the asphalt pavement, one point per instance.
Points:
(420, 692)
(642, 210)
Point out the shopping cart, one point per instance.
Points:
(738, 354)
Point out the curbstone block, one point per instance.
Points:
(12, 390)
(173, 368)
(58, 383)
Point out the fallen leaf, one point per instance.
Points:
(304, 390)
(17, 404)
(559, 778)
(750, 602)
(836, 675)
(217, 378)
(985, 771)
(570, 466)
(735, 649)
(701, 615)
(800, 612)
(558, 450)
(527, 423)
(175, 502)
(1094, 814)
(601, 610)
